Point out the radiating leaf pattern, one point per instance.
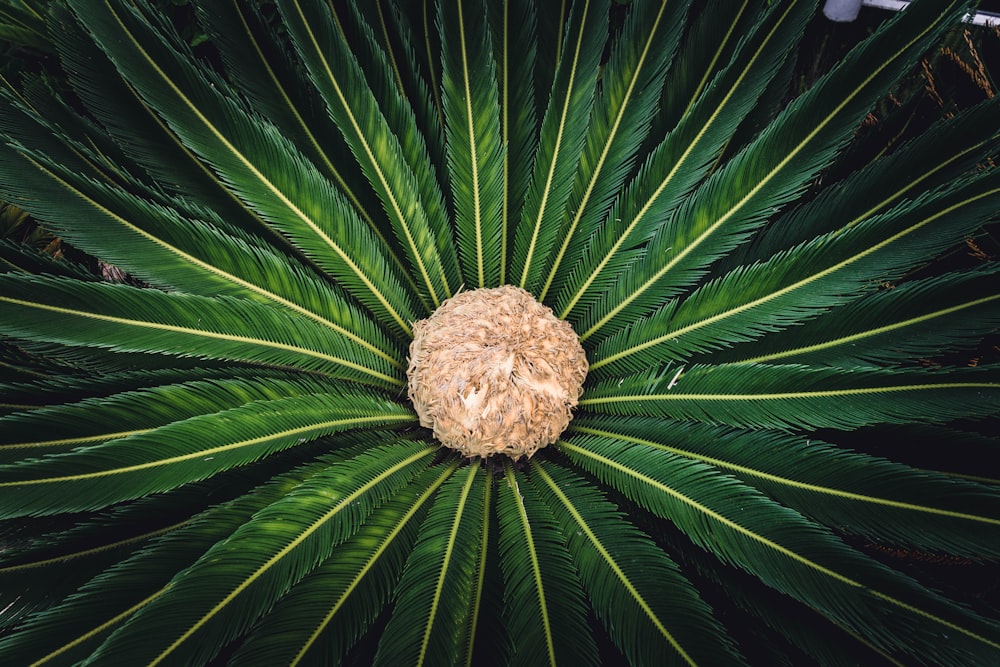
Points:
(782, 450)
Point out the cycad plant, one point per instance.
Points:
(214, 457)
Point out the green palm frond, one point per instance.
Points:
(342, 597)
(953, 516)
(562, 137)
(475, 155)
(544, 599)
(678, 162)
(772, 170)
(277, 547)
(776, 545)
(393, 158)
(617, 565)
(433, 620)
(132, 319)
(763, 395)
(222, 222)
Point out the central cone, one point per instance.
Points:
(493, 371)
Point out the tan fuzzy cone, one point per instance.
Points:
(493, 371)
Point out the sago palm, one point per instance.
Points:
(237, 452)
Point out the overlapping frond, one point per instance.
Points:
(634, 588)
(133, 464)
(901, 323)
(83, 622)
(562, 137)
(633, 79)
(278, 546)
(475, 151)
(543, 598)
(847, 491)
(678, 163)
(58, 428)
(194, 255)
(769, 172)
(329, 610)
(393, 158)
(433, 601)
(796, 285)
(792, 395)
(787, 552)
(132, 319)
(253, 158)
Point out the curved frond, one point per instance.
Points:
(252, 156)
(761, 395)
(434, 597)
(327, 612)
(787, 552)
(543, 599)
(797, 285)
(847, 491)
(475, 151)
(901, 323)
(622, 112)
(771, 171)
(561, 139)
(83, 622)
(410, 194)
(130, 319)
(164, 457)
(678, 162)
(650, 609)
(201, 610)
(98, 419)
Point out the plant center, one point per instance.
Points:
(492, 371)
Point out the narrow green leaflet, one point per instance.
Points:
(58, 428)
(771, 171)
(434, 597)
(798, 284)
(650, 609)
(677, 163)
(82, 622)
(543, 599)
(474, 149)
(513, 24)
(206, 606)
(897, 324)
(137, 129)
(189, 450)
(789, 396)
(191, 255)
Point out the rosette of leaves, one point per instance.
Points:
(215, 460)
